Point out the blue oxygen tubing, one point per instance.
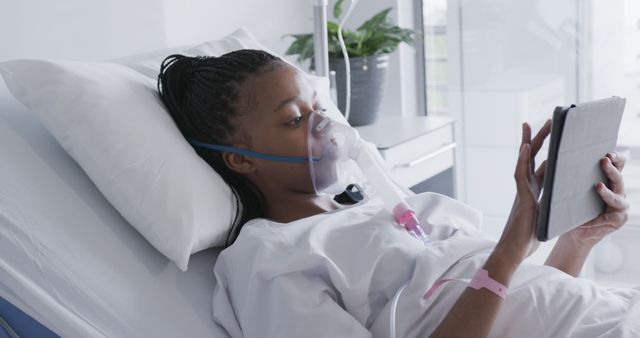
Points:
(247, 152)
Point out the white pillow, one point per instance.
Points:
(110, 120)
(149, 63)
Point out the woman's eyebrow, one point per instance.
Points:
(292, 99)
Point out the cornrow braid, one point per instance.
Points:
(201, 94)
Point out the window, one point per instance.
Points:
(434, 30)
(494, 64)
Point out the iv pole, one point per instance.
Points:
(320, 37)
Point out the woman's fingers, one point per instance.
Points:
(612, 199)
(526, 134)
(614, 175)
(618, 160)
(526, 165)
(526, 139)
(538, 140)
(522, 168)
(540, 172)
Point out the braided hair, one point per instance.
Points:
(202, 96)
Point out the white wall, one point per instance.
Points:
(79, 29)
(103, 29)
(191, 21)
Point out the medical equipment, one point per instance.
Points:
(321, 37)
(70, 260)
(73, 263)
(321, 48)
(335, 150)
(347, 68)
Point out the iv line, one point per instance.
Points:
(347, 68)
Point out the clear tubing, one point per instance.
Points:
(332, 147)
(347, 68)
(393, 201)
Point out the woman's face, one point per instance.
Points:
(274, 120)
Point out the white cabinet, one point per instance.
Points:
(415, 148)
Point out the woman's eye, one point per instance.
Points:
(295, 122)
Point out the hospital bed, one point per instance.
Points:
(68, 259)
(71, 262)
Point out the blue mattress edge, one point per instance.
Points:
(23, 324)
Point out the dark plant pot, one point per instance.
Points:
(368, 75)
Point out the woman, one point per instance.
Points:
(305, 265)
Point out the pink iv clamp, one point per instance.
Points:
(406, 217)
(335, 149)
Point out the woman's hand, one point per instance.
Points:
(573, 247)
(615, 214)
(473, 314)
(518, 238)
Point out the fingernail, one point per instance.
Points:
(613, 155)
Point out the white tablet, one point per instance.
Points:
(581, 135)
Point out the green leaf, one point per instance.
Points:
(375, 36)
(299, 41)
(337, 9)
(307, 52)
(332, 28)
(375, 21)
(302, 46)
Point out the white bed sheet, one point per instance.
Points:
(68, 259)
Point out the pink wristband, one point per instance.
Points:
(482, 280)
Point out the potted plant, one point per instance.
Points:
(368, 48)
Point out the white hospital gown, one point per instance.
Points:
(335, 275)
